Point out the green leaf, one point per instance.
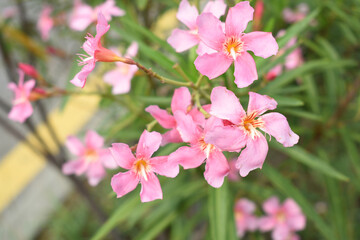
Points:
(310, 160)
(288, 101)
(285, 186)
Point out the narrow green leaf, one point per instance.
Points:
(310, 160)
(288, 101)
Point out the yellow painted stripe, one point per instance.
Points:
(21, 164)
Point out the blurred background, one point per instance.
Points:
(315, 78)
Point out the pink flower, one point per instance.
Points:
(22, 108)
(291, 16)
(45, 22)
(83, 15)
(244, 216)
(242, 129)
(92, 159)
(29, 70)
(181, 101)
(183, 40)
(284, 219)
(120, 77)
(232, 46)
(142, 167)
(200, 150)
(96, 53)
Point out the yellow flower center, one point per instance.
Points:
(207, 148)
(233, 46)
(142, 167)
(91, 155)
(250, 124)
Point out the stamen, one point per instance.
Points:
(141, 168)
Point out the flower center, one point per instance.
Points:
(91, 155)
(142, 167)
(207, 148)
(280, 216)
(250, 124)
(233, 46)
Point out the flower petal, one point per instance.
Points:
(182, 40)
(172, 136)
(238, 18)
(203, 48)
(277, 126)
(281, 231)
(122, 155)
(93, 140)
(80, 78)
(132, 50)
(188, 157)
(260, 103)
(262, 44)
(210, 31)
(245, 70)
(29, 85)
(74, 145)
(187, 14)
(188, 129)
(81, 17)
(77, 167)
(216, 169)
(212, 65)
(150, 188)
(271, 205)
(217, 8)
(149, 143)
(266, 223)
(225, 105)
(102, 27)
(181, 100)
(20, 112)
(124, 182)
(164, 167)
(107, 159)
(95, 173)
(227, 138)
(253, 156)
(162, 116)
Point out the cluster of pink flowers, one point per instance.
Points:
(282, 219)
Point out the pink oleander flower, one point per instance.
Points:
(232, 46)
(244, 216)
(242, 128)
(92, 158)
(292, 60)
(96, 53)
(22, 108)
(120, 77)
(299, 14)
(283, 219)
(83, 15)
(183, 40)
(200, 150)
(142, 167)
(29, 70)
(181, 101)
(45, 22)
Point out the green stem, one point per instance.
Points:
(178, 68)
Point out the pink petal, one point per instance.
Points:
(149, 143)
(262, 44)
(81, 17)
(80, 79)
(150, 188)
(297, 222)
(77, 167)
(245, 70)
(277, 125)
(203, 48)
(181, 100)
(225, 105)
(172, 136)
(216, 169)
(187, 14)
(188, 129)
(260, 103)
(266, 223)
(217, 8)
(114, 79)
(124, 182)
(295, 218)
(101, 27)
(188, 157)
(212, 65)
(197, 116)
(294, 59)
(20, 112)
(227, 138)
(182, 40)
(245, 205)
(281, 232)
(107, 159)
(162, 165)
(274, 72)
(75, 146)
(122, 155)
(93, 140)
(212, 123)
(253, 156)
(238, 18)
(271, 206)
(29, 85)
(132, 50)
(109, 9)
(95, 173)
(211, 31)
(12, 86)
(162, 116)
